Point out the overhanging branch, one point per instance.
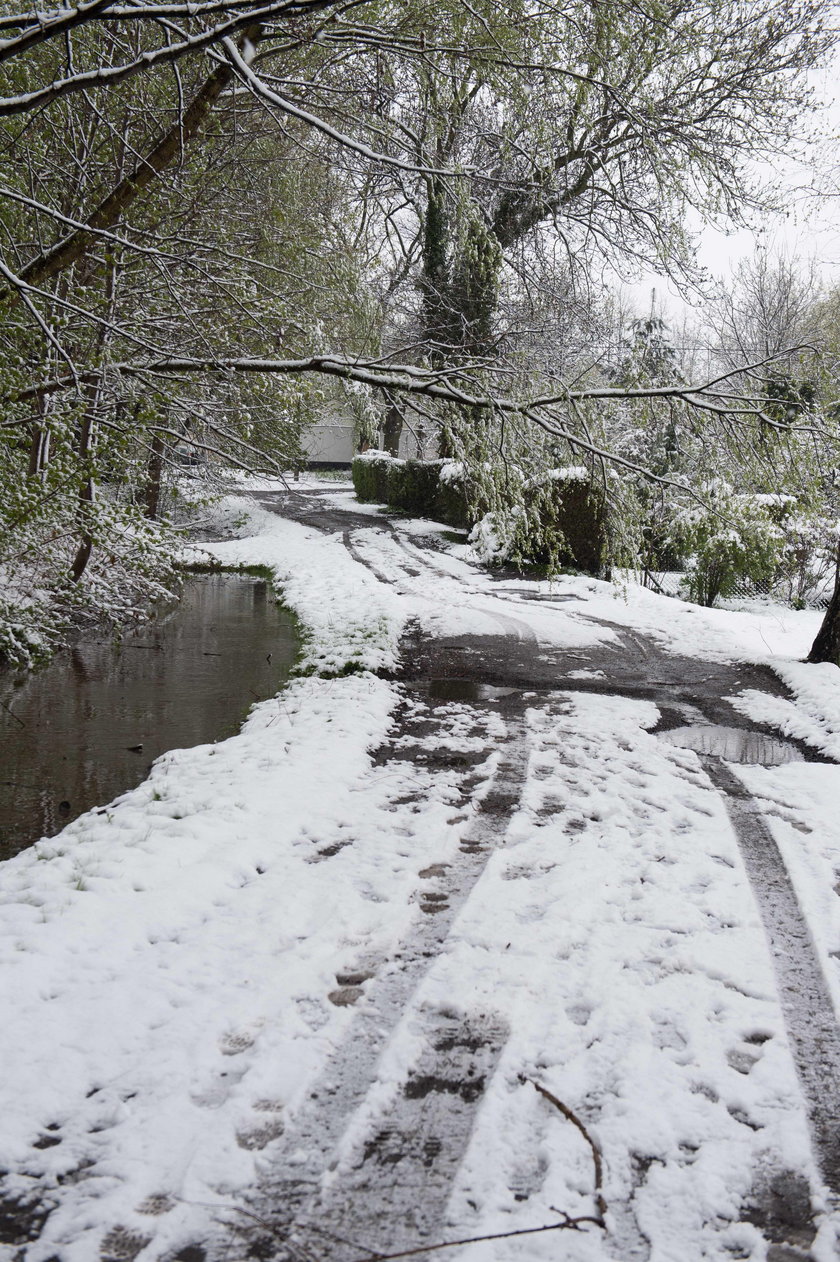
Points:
(411, 380)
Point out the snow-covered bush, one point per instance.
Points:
(805, 569)
(730, 538)
(495, 538)
(130, 567)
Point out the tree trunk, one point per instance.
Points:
(392, 430)
(39, 442)
(39, 432)
(826, 647)
(87, 493)
(154, 473)
(435, 280)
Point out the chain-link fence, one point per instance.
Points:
(813, 594)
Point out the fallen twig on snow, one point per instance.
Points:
(575, 1120)
(566, 1224)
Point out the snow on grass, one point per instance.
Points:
(754, 635)
(350, 622)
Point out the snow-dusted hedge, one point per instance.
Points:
(581, 519)
(425, 488)
(559, 519)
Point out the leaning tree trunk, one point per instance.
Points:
(39, 439)
(172, 146)
(826, 647)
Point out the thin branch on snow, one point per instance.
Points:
(597, 1160)
(566, 1224)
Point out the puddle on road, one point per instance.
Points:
(464, 690)
(546, 599)
(733, 744)
(88, 726)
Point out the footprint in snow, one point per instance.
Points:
(233, 1043)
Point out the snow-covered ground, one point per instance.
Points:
(179, 971)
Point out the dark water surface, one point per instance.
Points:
(69, 734)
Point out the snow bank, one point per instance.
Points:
(350, 621)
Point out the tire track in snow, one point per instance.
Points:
(331, 1163)
(397, 1178)
(440, 571)
(808, 1010)
(522, 631)
(361, 559)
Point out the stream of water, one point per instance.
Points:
(88, 726)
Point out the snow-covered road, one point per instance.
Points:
(458, 945)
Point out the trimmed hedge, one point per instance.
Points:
(414, 486)
(582, 518)
(371, 477)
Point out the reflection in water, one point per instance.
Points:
(733, 744)
(463, 690)
(89, 726)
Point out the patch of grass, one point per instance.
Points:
(199, 567)
(216, 567)
(313, 671)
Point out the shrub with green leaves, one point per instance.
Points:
(424, 488)
(371, 477)
(806, 563)
(731, 538)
